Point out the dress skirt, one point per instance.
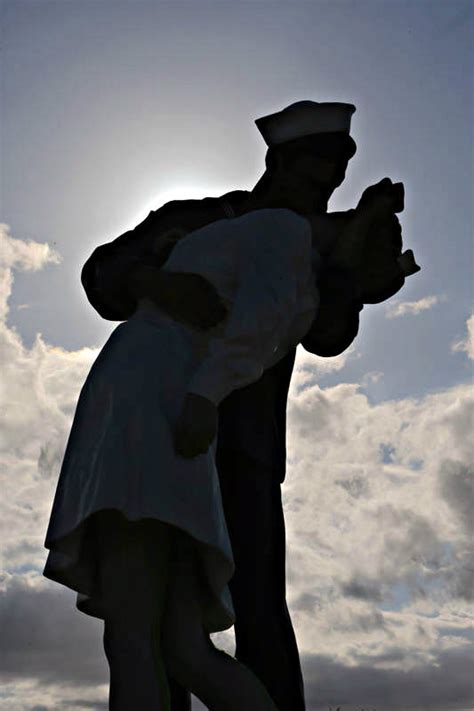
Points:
(120, 457)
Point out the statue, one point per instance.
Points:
(167, 518)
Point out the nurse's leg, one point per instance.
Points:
(216, 678)
(134, 558)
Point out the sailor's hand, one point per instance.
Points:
(196, 426)
(190, 298)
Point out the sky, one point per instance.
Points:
(112, 108)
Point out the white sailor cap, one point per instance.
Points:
(305, 118)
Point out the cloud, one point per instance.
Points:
(378, 543)
(373, 376)
(466, 345)
(445, 684)
(22, 256)
(48, 650)
(40, 387)
(413, 308)
(309, 368)
(377, 555)
(40, 626)
(457, 487)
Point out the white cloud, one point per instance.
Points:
(22, 256)
(39, 390)
(413, 308)
(374, 376)
(466, 345)
(378, 560)
(309, 368)
(378, 563)
(378, 550)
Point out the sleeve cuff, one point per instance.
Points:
(215, 382)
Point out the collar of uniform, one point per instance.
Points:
(230, 202)
(227, 207)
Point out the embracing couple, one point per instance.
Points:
(167, 518)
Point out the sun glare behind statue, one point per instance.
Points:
(181, 191)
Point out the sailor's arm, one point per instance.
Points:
(336, 321)
(111, 274)
(118, 273)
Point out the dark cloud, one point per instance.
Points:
(44, 637)
(363, 590)
(447, 684)
(460, 577)
(414, 565)
(457, 488)
(456, 485)
(393, 655)
(460, 419)
(356, 486)
(387, 452)
(410, 538)
(307, 602)
(20, 549)
(50, 457)
(465, 632)
(362, 622)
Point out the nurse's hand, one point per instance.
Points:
(370, 245)
(196, 426)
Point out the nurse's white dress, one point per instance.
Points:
(120, 452)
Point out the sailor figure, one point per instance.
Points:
(215, 294)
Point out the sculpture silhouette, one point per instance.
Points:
(216, 294)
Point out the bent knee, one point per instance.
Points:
(185, 656)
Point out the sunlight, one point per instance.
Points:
(180, 191)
